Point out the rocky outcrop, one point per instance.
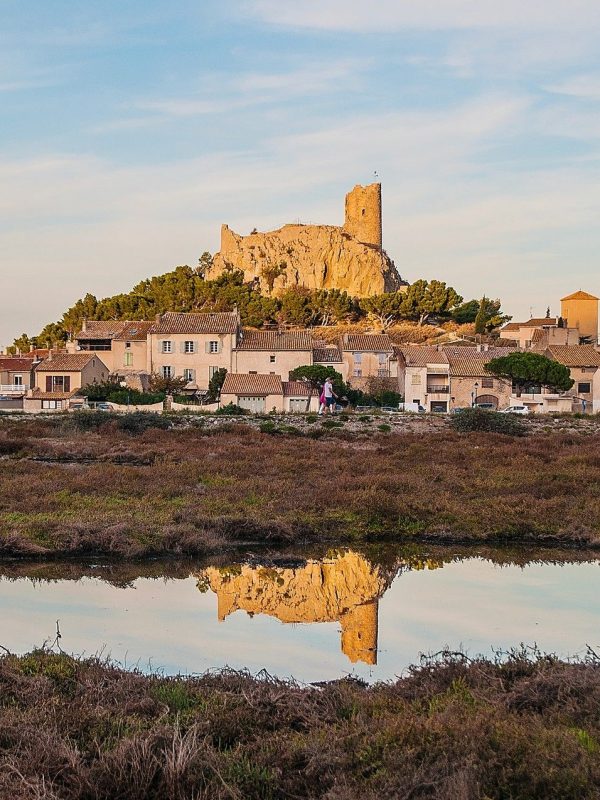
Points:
(348, 258)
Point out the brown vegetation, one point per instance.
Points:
(452, 729)
(193, 490)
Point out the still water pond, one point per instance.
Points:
(313, 618)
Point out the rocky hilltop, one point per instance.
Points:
(349, 258)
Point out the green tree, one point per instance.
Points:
(424, 298)
(466, 312)
(215, 385)
(22, 343)
(316, 375)
(526, 370)
(481, 318)
(385, 308)
(331, 306)
(162, 385)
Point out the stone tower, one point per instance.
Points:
(580, 309)
(363, 214)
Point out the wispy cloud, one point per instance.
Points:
(388, 15)
(582, 86)
(226, 93)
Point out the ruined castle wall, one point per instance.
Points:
(363, 214)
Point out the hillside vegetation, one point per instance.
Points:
(185, 290)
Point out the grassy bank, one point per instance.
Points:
(453, 728)
(194, 490)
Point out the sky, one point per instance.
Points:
(130, 131)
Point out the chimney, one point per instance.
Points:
(31, 348)
(50, 355)
(84, 325)
(157, 319)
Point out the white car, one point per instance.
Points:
(516, 410)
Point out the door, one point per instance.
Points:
(297, 405)
(254, 404)
(437, 406)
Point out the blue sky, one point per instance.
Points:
(130, 131)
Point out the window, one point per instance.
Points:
(188, 347)
(584, 388)
(272, 359)
(415, 379)
(382, 372)
(128, 360)
(50, 404)
(357, 358)
(213, 347)
(58, 383)
(189, 375)
(166, 346)
(487, 383)
(167, 372)
(127, 345)
(382, 359)
(17, 380)
(357, 373)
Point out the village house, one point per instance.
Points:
(260, 393)
(122, 344)
(16, 375)
(470, 384)
(275, 352)
(192, 346)
(583, 362)
(368, 355)
(59, 377)
(547, 330)
(329, 355)
(424, 377)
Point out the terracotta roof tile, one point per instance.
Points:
(275, 340)
(579, 355)
(326, 355)
(210, 322)
(469, 362)
(37, 394)
(100, 329)
(135, 331)
(67, 362)
(368, 343)
(15, 363)
(238, 383)
(534, 322)
(296, 389)
(580, 296)
(421, 356)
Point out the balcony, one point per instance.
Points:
(438, 389)
(13, 388)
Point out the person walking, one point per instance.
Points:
(329, 396)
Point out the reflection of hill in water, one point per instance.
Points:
(345, 587)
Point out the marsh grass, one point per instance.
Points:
(523, 725)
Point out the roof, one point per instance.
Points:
(578, 355)
(470, 362)
(275, 340)
(210, 322)
(367, 342)
(534, 322)
(134, 331)
(297, 389)
(579, 296)
(37, 394)
(15, 363)
(326, 355)
(100, 329)
(67, 362)
(416, 356)
(238, 383)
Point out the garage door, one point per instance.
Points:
(254, 404)
(297, 405)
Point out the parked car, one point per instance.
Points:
(390, 410)
(516, 410)
(103, 407)
(486, 406)
(362, 409)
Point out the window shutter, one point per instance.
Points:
(67, 383)
(195, 347)
(207, 347)
(219, 346)
(193, 374)
(48, 383)
(160, 345)
(182, 347)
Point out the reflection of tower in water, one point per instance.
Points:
(344, 588)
